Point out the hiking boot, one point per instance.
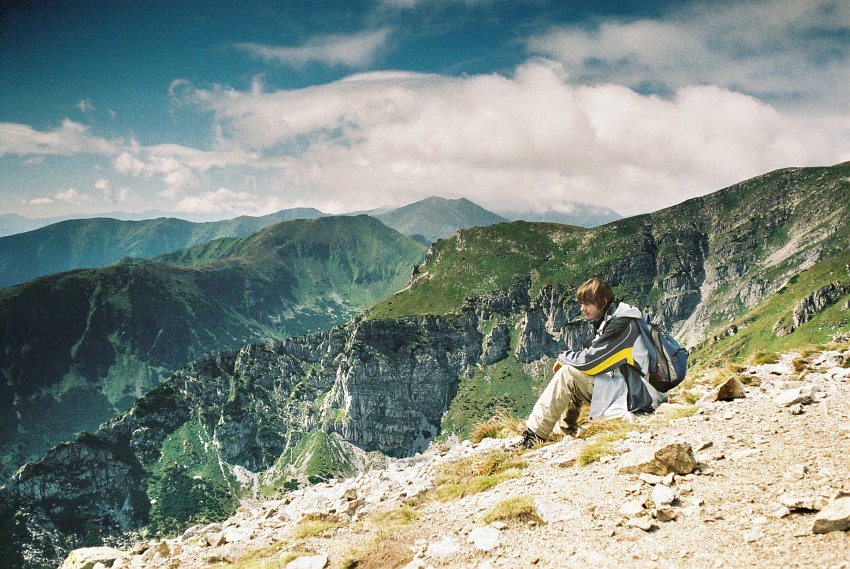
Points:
(529, 439)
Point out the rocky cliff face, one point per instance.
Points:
(380, 385)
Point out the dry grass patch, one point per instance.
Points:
(312, 526)
(476, 474)
(673, 413)
(519, 508)
(269, 557)
(600, 436)
(499, 427)
(388, 548)
(391, 552)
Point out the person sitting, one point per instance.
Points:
(606, 373)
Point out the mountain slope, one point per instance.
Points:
(81, 345)
(758, 265)
(693, 265)
(437, 218)
(97, 242)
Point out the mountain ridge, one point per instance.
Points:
(67, 244)
(127, 326)
(97, 242)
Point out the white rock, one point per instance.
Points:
(754, 534)
(237, 534)
(663, 496)
(552, 512)
(632, 508)
(446, 547)
(802, 395)
(308, 562)
(484, 538)
(643, 522)
(89, 556)
(652, 479)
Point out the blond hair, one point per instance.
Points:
(596, 292)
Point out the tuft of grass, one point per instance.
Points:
(763, 357)
(499, 427)
(386, 549)
(516, 508)
(593, 451)
(476, 474)
(390, 551)
(601, 436)
(800, 365)
(674, 413)
(397, 517)
(268, 557)
(312, 526)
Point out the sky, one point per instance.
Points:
(219, 109)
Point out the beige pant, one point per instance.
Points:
(561, 400)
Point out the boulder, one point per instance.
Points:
(731, 389)
(834, 517)
(88, 557)
(675, 458)
(800, 395)
(484, 538)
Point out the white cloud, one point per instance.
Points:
(121, 195)
(40, 201)
(225, 200)
(71, 196)
(789, 52)
(177, 166)
(176, 175)
(70, 138)
(532, 141)
(85, 106)
(353, 50)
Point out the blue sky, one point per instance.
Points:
(221, 109)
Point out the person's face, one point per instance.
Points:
(591, 311)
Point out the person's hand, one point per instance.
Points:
(558, 365)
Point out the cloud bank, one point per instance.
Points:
(632, 114)
(531, 141)
(354, 50)
(792, 52)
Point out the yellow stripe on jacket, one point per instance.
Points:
(617, 357)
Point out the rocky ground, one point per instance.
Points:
(755, 479)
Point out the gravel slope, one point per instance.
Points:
(765, 467)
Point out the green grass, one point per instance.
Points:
(316, 457)
(600, 436)
(187, 485)
(504, 388)
(469, 476)
(519, 508)
(488, 259)
(312, 526)
(756, 341)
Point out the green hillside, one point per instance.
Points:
(763, 231)
(80, 346)
(97, 242)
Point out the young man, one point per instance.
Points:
(605, 374)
